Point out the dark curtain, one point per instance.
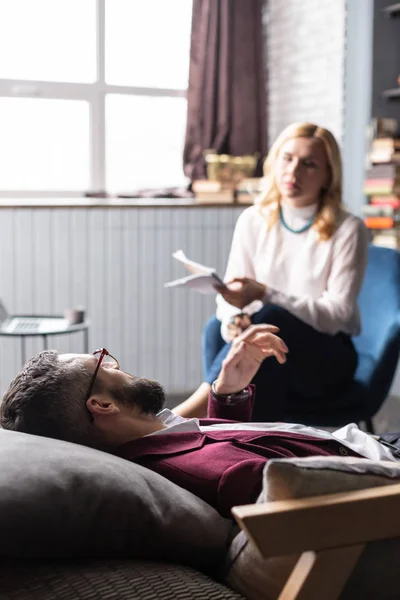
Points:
(226, 95)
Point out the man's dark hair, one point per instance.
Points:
(48, 398)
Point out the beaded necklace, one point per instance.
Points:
(286, 226)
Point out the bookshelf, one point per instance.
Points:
(391, 94)
(381, 210)
(392, 10)
(386, 60)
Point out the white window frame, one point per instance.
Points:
(95, 94)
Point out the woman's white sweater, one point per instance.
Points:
(317, 281)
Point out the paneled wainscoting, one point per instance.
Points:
(114, 260)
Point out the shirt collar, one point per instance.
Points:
(175, 423)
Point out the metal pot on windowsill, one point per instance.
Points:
(228, 169)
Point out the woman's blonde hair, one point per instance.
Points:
(331, 196)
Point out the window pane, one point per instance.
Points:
(144, 142)
(44, 144)
(148, 42)
(48, 40)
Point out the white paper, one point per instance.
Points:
(203, 279)
(199, 283)
(193, 267)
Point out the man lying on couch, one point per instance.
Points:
(87, 399)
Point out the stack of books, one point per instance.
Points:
(210, 191)
(383, 221)
(215, 192)
(382, 186)
(385, 150)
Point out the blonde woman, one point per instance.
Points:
(297, 262)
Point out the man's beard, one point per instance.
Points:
(146, 394)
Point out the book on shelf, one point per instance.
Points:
(381, 127)
(388, 200)
(210, 186)
(210, 191)
(381, 222)
(389, 238)
(226, 196)
(202, 279)
(380, 187)
(386, 143)
(388, 182)
(384, 156)
(381, 210)
(383, 171)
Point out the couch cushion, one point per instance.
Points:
(314, 476)
(65, 500)
(108, 580)
(375, 573)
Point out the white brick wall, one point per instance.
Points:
(305, 58)
(306, 54)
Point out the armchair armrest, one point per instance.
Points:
(322, 522)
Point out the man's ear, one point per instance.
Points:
(101, 406)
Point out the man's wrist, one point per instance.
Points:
(219, 389)
(232, 397)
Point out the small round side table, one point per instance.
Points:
(83, 327)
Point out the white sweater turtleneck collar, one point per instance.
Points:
(297, 216)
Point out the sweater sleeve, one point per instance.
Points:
(242, 411)
(337, 304)
(240, 264)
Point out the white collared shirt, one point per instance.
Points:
(350, 435)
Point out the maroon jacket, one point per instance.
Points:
(224, 468)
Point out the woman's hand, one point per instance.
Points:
(247, 353)
(237, 324)
(240, 291)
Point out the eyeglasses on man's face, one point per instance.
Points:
(105, 360)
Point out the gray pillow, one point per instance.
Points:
(62, 500)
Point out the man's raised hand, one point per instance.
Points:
(247, 352)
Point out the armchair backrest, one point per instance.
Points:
(379, 303)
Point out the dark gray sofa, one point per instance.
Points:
(77, 523)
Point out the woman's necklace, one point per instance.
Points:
(301, 230)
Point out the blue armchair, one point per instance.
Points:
(378, 348)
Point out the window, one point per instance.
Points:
(92, 95)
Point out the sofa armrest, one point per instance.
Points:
(322, 522)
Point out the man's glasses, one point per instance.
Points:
(106, 360)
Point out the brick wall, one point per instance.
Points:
(305, 58)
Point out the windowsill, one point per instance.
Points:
(110, 203)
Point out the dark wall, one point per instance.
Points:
(385, 61)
